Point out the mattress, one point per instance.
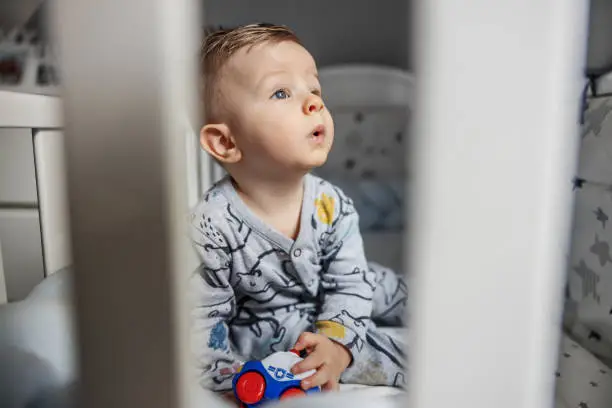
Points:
(582, 381)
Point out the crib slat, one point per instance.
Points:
(496, 125)
(127, 82)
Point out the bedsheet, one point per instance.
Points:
(582, 381)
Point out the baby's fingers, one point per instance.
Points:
(331, 385)
(306, 340)
(321, 377)
(312, 362)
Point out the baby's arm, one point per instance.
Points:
(213, 305)
(346, 281)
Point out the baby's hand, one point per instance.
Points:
(329, 358)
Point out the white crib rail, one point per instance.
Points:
(128, 72)
(498, 89)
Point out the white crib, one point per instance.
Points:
(487, 288)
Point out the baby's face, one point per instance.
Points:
(274, 97)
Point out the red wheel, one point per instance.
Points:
(250, 387)
(292, 393)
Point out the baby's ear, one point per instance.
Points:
(219, 142)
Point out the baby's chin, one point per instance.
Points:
(320, 162)
(315, 162)
(303, 163)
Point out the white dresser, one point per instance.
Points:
(34, 237)
(34, 208)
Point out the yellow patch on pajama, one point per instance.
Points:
(331, 329)
(325, 208)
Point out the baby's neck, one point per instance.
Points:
(277, 202)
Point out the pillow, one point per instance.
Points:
(380, 203)
(369, 144)
(37, 344)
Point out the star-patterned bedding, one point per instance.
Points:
(588, 314)
(583, 378)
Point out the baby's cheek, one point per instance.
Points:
(330, 129)
(329, 118)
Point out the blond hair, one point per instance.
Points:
(220, 45)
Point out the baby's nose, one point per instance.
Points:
(313, 104)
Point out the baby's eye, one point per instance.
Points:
(280, 94)
(317, 92)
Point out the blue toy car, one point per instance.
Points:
(270, 379)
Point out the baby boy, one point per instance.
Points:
(283, 263)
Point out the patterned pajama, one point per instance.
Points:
(257, 290)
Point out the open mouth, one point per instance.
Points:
(318, 133)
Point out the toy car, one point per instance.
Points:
(270, 379)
